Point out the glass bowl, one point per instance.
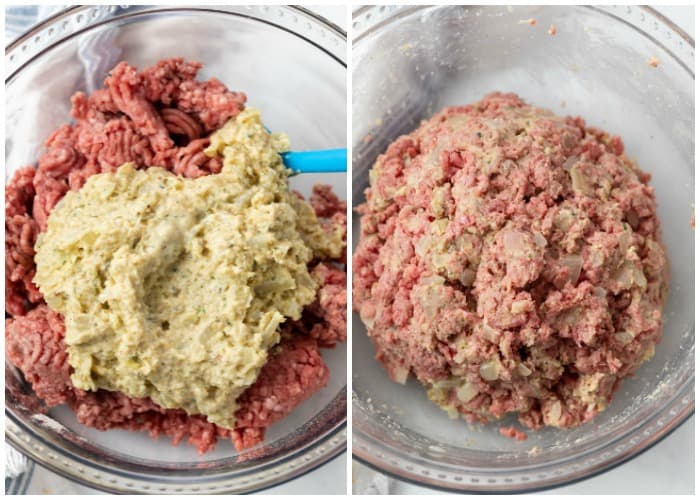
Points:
(292, 65)
(408, 63)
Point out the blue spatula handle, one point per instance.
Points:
(323, 160)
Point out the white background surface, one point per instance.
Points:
(667, 468)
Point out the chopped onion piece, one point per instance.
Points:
(568, 139)
(520, 306)
(513, 241)
(448, 383)
(629, 275)
(489, 370)
(467, 392)
(639, 278)
(490, 334)
(624, 338)
(540, 240)
(400, 374)
(564, 219)
(573, 263)
(523, 370)
(554, 414)
(570, 162)
(468, 277)
(578, 181)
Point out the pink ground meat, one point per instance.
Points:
(511, 260)
(513, 433)
(20, 235)
(294, 371)
(324, 319)
(160, 116)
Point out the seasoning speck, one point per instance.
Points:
(552, 30)
(653, 62)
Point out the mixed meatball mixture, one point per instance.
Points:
(511, 260)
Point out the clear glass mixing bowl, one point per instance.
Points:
(408, 63)
(292, 65)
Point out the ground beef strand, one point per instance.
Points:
(139, 117)
(20, 236)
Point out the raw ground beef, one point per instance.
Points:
(293, 372)
(513, 433)
(159, 116)
(511, 260)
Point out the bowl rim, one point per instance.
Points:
(369, 460)
(68, 12)
(363, 10)
(386, 15)
(323, 447)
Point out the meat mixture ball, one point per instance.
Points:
(511, 260)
